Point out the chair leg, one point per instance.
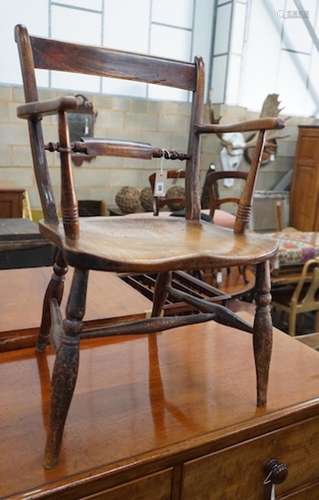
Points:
(262, 337)
(54, 291)
(292, 321)
(160, 292)
(66, 367)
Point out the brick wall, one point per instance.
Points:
(161, 123)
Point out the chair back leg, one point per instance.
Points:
(160, 293)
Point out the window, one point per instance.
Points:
(159, 27)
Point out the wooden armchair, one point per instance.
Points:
(211, 185)
(121, 244)
(215, 202)
(221, 217)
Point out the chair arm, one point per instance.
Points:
(126, 149)
(248, 126)
(110, 147)
(36, 109)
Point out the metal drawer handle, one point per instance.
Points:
(275, 473)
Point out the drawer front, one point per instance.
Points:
(156, 487)
(307, 493)
(237, 471)
(308, 148)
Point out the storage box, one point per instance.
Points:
(268, 206)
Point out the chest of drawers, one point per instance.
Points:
(11, 202)
(304, 203)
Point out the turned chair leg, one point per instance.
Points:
(66, 367)
(262, 336)
(160, 292)
(54, 291)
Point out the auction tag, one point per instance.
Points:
(219, 277)
(160, 184)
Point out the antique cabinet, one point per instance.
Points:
(304, 212)
(11, 202)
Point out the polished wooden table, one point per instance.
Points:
(22, 292)
(164, 418)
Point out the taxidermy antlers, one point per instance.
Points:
(270, 108)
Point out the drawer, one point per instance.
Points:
(155, 486)
(237, 472)
(310, 492)
(308, 150)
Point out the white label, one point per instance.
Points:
(219, 277)
(160, 184)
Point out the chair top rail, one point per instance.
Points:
(100, 61)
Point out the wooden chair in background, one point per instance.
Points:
(160, 202)
(222, 218)
(301, 299)
(212, 188)
(215, 201)
(122, 244)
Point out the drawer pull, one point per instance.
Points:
(275, 473)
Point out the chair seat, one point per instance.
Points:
(221, 217)
(140, 244)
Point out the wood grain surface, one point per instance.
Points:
(22, 293)
(145, 404)
(131, 244)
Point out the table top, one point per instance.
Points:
(148, 398)
(4, 188)
(22, 292)
(18, 230)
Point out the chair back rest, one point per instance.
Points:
(101, 61)
(51, 54)
(160, 202)
(211, 187)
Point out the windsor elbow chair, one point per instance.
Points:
(123, 244)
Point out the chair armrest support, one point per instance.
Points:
(37, 109)
(109, 147)
(247, 126)
(125, 149)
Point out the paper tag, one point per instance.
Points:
(219, 277)
(160, 184)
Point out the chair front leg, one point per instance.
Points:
(160, 292)
(66, 367)
(54, 291)
(292, 320)
(262, 336)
